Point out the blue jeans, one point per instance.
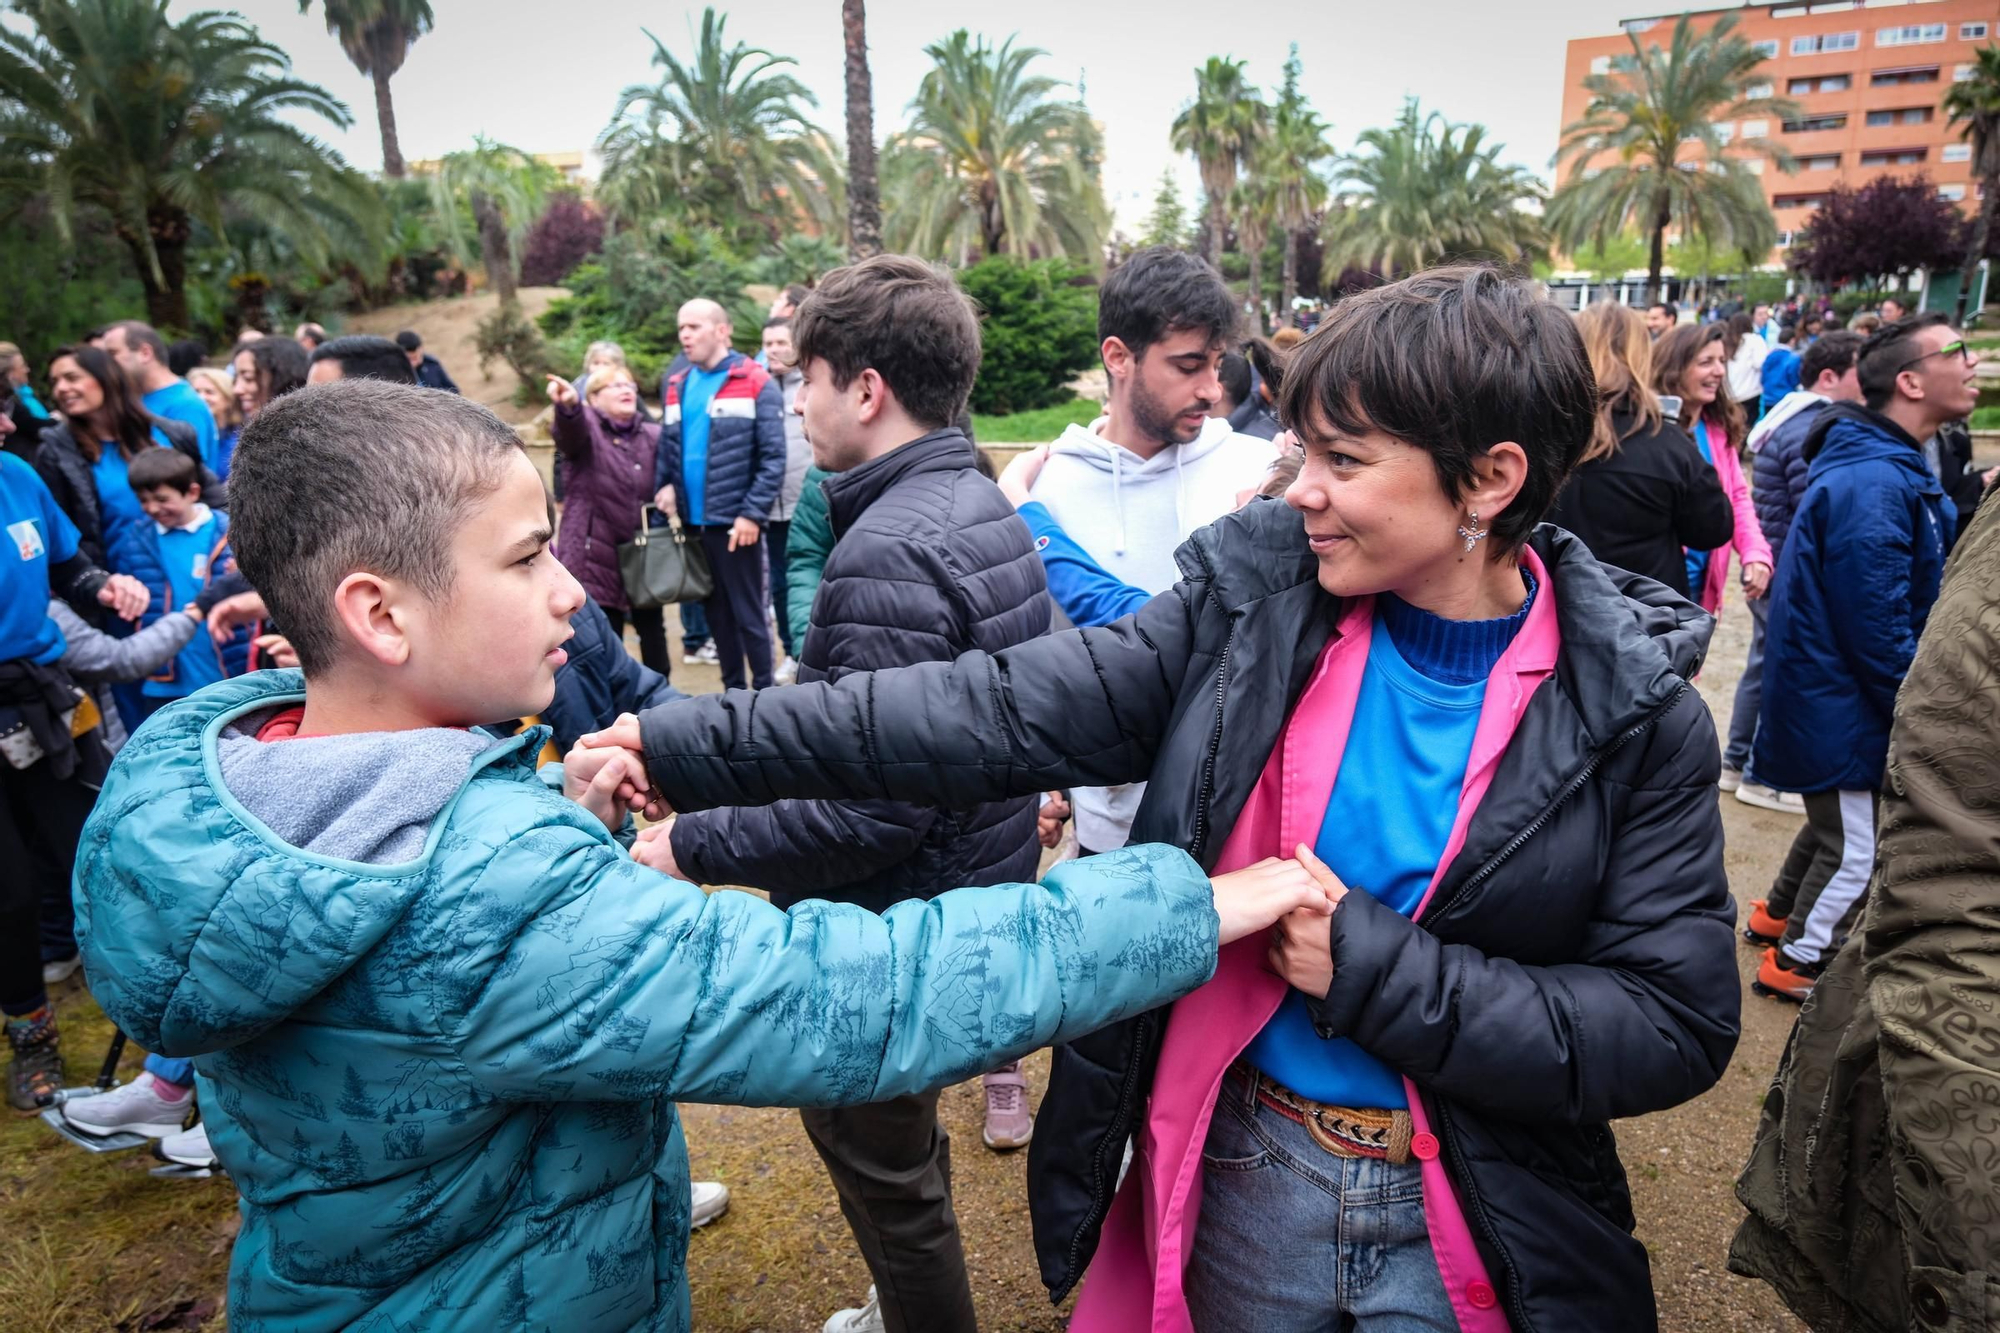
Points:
(1293, 1238)
(1749, 692)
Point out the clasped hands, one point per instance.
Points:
(605, 773)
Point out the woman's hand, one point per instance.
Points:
(1756, 579)
(277, 650)
(1251, 899)
(561, 392)
(125, 595)
(663, 500)
(1018, 478)
(1302, 941)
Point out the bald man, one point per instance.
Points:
(721, 462)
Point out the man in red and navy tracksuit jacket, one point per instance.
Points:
(721, 461)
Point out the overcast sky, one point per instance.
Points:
(544, 76)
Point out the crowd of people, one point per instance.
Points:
(1216, 743)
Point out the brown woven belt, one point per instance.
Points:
(1343, 1131)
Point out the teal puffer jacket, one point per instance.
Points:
(445, 1088)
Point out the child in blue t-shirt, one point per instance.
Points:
(191, 543)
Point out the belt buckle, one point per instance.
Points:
(1326, 1138)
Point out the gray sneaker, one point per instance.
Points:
(708, 1200)
(188, 1148)
(135, 1108)
(868, 1319)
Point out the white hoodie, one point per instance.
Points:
(1793, 403)
(1130, 514)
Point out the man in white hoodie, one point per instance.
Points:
(1131, 486)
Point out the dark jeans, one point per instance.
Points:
(1749, 692)
(1825, 873)
(891, 1165)
(651, 627)
(694, 626)
(736, 608)
(41, 820)
(776, 533)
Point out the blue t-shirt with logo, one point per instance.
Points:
(186, 552)
(38, 535)
(179, 402)
(697, 392)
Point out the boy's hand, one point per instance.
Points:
(1251, 899)
(1302, 941)
(595, 786)
(277, 650)
(561, 392)
(621, 738)
(231, 613)
(1049, 821)
(125, 595)
(655, 847)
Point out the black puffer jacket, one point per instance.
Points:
(930, 561)
(63, 466)
(1578, 965)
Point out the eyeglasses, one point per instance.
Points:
(1957, 348)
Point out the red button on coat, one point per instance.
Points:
(1480, 1295)
(1424, 1147)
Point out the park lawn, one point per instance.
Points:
(1037, 427)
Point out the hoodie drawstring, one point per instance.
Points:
(1118, 494)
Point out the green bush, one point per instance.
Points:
(632, 296)
(1986, 418)
(1039, 330)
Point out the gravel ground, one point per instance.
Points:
(781, 1260)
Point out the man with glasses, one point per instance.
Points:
(1860, 569)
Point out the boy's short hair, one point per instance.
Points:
(902, 318)
(409, 340)
(1834, 351)
(1453, 361)
(1160, 291)
(356, 475)
(1887, 353)
(162, 467)
(1234, 372)
(365, 357)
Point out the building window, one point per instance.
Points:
(1812, 124)
(1757, 90)
(1972, 32)
(1785, 238)
(1961, 73)
(1788, 11)
(1951, 192)
(1798, 201)
(1756, 129)
(1894, 157)
(1890, 78)
(1600, 65)
(1767, 48)
(1909, 115)
(1820, 162)
(1826, 83)
(1833, 6)
(1911, 34)
(1956, 152)
(1636, 26)
(1754, 165)
(1828, 42)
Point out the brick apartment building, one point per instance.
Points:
(1868, 77)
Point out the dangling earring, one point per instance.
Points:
(1471, 531)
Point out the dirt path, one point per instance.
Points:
(94, 1243)
(447, 327)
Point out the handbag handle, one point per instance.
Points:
(673, 523)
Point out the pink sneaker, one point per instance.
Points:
(1009, 1123)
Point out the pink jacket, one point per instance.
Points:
(1748, 544)
(1146, 1237)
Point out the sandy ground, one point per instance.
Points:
(446, 327)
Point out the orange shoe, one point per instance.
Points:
(1762, 927)
(1780, 977)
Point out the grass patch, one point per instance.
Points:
(1986, 418)
(1036, 427)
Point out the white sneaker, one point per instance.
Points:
(710, 1200)
(868, 1319)
(61, 969)
(708, 654)
(1769, 798)
(132, 1109)
(787, 672)
(1731, 778)
(188, 1148)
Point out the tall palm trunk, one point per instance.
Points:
(165, 288)
(1288, 284)
(385, 112)
(1656, 259)
(1211, 231)
(864, 190)
(1982, 225)
(1256, 288)
(494, 250)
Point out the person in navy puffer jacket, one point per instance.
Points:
(1862, 564)
(1778, 483)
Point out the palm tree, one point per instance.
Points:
(1975, 104)
(993, 162)
(1288, 164)
(864, 189)
(1626, 159)
(1253, 207)
(1425, 190)
(503, 189)
(109, 106)
(724, 141)
(377, 35)
(1221, 127)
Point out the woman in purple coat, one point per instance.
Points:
(607, 448)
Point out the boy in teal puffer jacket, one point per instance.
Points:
(438, 1017)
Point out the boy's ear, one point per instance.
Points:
(194, 491)
(369, 611)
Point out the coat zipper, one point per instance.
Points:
(1099, 1195)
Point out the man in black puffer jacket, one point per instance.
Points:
(930, 562)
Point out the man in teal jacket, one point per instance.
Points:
(438, 1017)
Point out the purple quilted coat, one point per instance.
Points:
(608, 476)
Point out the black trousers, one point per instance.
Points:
(736, 608)
(776, 534)
(41, 821)
(891, 1166)
(651, 627)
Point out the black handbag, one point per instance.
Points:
(662, 566)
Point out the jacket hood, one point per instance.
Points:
(1628, 642)
(201, 927)
(1849, 433)
(1084, 442)
(1791, 405)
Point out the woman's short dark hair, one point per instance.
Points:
(1453, 361)
(131, 424)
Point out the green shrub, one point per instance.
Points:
(1986, 418)
(1039, 328)
(633, 294)
(1037, 427)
